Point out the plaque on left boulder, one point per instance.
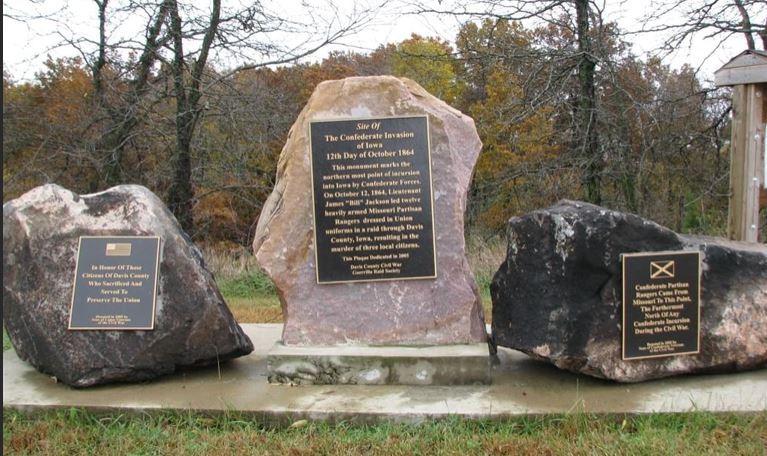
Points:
(115, 284)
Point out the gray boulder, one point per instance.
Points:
(193, 326)
(557, 296)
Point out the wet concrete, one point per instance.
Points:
(521, 386)
(465, 364)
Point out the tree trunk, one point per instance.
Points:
(181, 192)
(122, 119)
(587, 141)
(188, 94)
(108, 147)
(763, 35)
(746, 24)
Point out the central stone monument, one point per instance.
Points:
(363, 238)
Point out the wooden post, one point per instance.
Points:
(747, 179)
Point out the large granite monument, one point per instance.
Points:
(363, 233)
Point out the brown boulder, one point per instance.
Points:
(445, 310)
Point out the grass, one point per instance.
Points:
(485, 256)
(78, 432)
(260, 309)
(249, 293)
(247, 284)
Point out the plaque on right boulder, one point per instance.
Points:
(661, 304)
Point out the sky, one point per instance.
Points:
(26, 45)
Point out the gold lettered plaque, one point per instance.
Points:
(372, 198)
(115, 285)
(661, 304)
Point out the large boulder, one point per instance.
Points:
(444, 310)
(557, 296)
(193, 326)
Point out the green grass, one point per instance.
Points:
(246, 284)
(483, 279)
(6, 340)
(77, 432)
(250, 295)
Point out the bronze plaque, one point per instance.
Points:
(372, 196)
(115, 284)
(661, 304)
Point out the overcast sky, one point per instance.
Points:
(26, 45)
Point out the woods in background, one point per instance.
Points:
(564, 110)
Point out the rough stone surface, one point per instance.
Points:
(557, 296)
(445, 310)
(41, 229)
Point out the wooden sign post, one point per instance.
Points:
(747, 73)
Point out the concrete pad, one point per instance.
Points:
(521, 386)
(379, 365)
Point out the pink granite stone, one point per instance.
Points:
(445, 310)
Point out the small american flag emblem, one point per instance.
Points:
(118, 249)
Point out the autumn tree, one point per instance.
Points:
(652, 122)
(430, 62)
(665, 132)
(220, 128)
(517, 129)
(133, 75)
(46, 134)
(583, 21)
(121, 86)
(245, 124)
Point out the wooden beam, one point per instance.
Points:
(746, 165)
(741, 76)
(763, 191)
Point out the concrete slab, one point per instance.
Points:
(521, 386)
(379, 365)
